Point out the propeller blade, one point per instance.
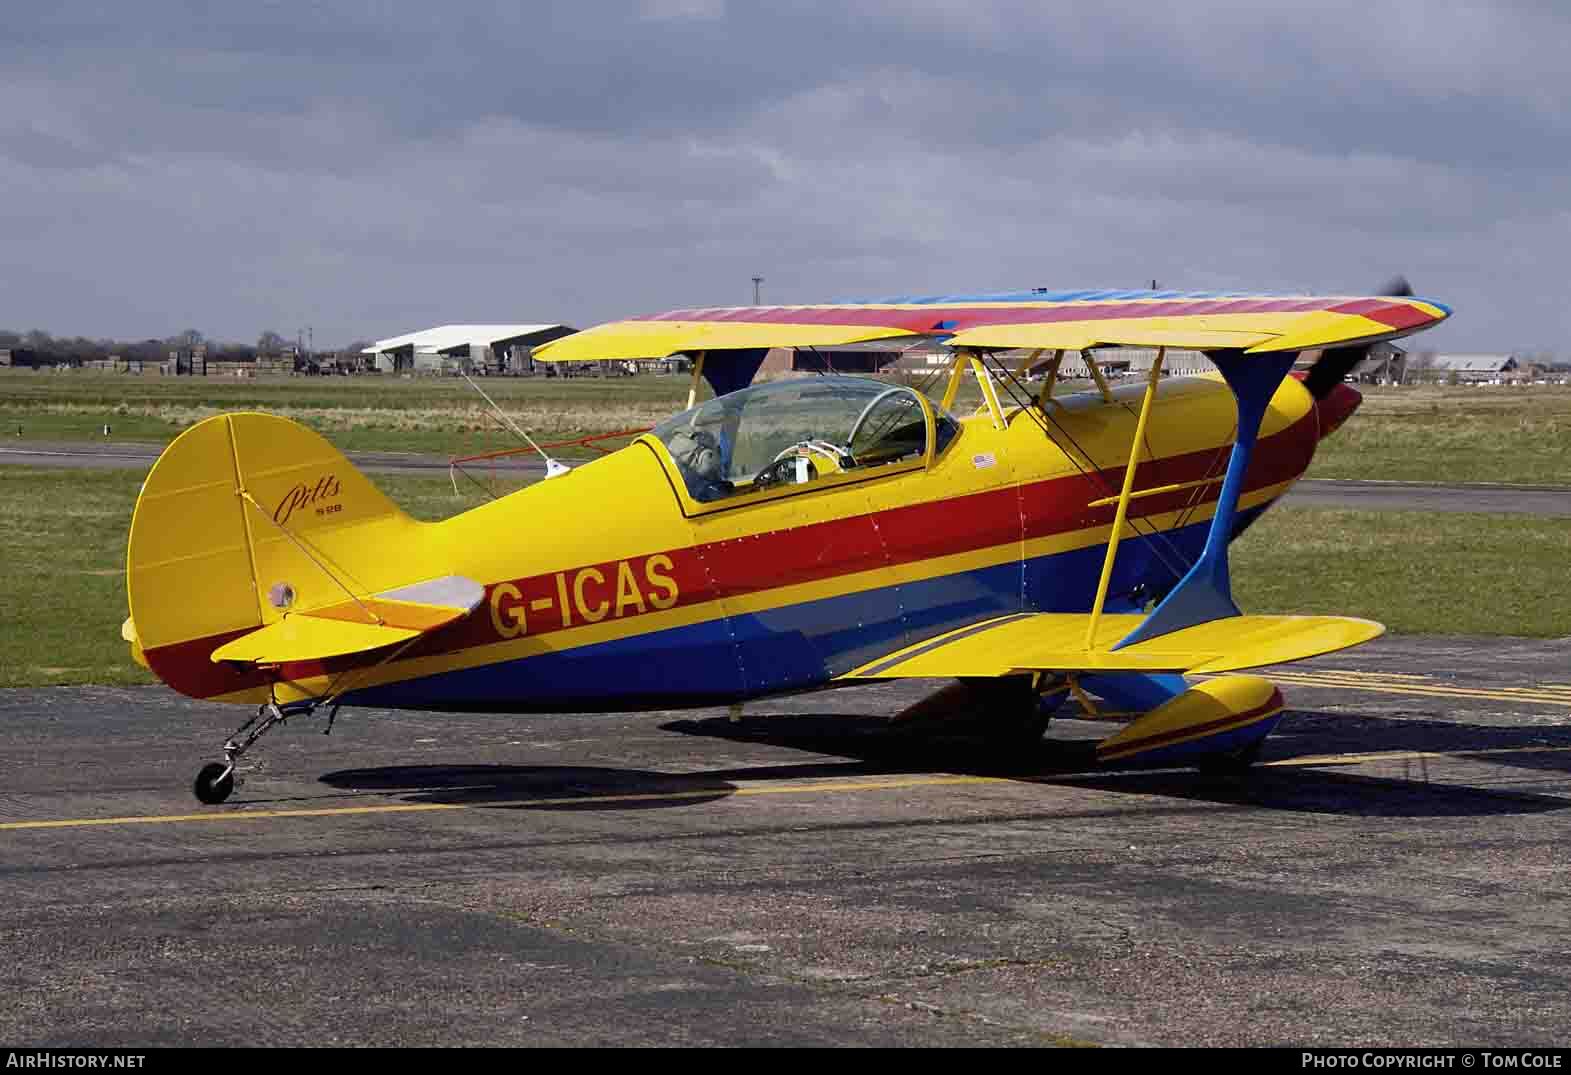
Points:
(1332, 366)
(1337, 362)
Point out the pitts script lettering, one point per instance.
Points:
(303, 495)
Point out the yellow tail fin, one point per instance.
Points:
(246, 517)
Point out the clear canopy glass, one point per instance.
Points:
(796, 431)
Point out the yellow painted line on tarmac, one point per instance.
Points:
(1498, 694)
(1365, 675)
(241, 814)
(1405, 755)
(1424, 689)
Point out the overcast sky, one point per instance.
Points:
(371, 168)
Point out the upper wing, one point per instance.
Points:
(1080, 336)
(1198, 321)
(1302, 325)
(658, 339)
(1056, 642)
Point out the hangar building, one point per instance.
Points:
(1474, 369)
(470, 348)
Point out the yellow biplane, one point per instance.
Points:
(794, 534)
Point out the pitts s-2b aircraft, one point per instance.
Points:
(795, 534)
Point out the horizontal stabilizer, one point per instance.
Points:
(306, 638)
(128, 632)
(1056, 642)
(358, 626)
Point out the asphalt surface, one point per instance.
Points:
(1432, 496)
(1311, 492)
(1395, 874)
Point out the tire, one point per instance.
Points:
(1011, 714)
(214, 784)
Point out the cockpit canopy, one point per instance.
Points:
(797, 431)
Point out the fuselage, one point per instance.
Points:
(613, 588)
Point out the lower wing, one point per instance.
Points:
(1057, 642)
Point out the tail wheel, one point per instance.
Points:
(214, 783)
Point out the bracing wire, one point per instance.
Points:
(1015, 390)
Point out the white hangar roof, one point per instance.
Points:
(446, 337)
(1475, 363)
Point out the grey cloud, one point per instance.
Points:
(367, 167)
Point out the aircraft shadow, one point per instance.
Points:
(539, 787)
(860, 745)
(1397, 788)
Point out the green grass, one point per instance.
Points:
(63, 532)
(1415, 572)
(1487, 434)
(438, 415)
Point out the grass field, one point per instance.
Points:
(1493, 434)
(1486, 434)
(1416, 572)
(63, 591)
(439, 415)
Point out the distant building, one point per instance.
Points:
(916, 354)
(1138, 361)
(783, 360)
(1471, 368)
(674, 364)
(1386, 364)
(469, 348)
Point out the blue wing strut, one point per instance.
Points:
(1206, 592)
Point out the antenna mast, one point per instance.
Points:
(553, 467)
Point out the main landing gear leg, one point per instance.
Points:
(1015, 711)
(216, 780)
